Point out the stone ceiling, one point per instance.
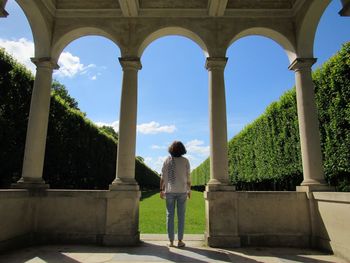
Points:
(185, 8)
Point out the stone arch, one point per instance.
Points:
(75, 34)
(276, 36)
(40, 27)
(308, 26)
(167, 31)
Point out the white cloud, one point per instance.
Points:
(145, 128)
(194, 161)
(114, 125)
(197, 151)
(21, 49)
(70, 66)
(154, 128)
(158, 147)
(148, 159)
(197, 147)
(155, 163)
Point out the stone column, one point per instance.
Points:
(221, 203)
(3, 12)
(218, 126)
(34, 154)
(308, 126)
(125, 175)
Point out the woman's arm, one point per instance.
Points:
(189, 189)
(188, 175)
(162, 188)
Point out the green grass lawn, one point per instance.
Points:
(153, 215)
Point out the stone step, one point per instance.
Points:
(164, 237)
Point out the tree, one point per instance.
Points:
(110, 131)
(141, 159)
(61, 90)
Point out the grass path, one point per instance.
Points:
(153, 215)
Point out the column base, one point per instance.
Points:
(121, 240)
(315, 188)
(121, 184)
(219, 187)
(30, 183)
(221, 209)
(222, 241)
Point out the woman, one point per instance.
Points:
(175, 187)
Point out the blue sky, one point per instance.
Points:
(173, 83)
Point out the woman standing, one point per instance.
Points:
(175, 187)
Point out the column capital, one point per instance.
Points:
(215, 63)
(45, 62)
(301, 63)
(130, 63)
(346, 8)
(3, 12)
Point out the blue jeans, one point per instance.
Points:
(180, 200)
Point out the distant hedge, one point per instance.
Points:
(266, 154)
(79, 155)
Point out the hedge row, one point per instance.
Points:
(266, 154)
(79, 155)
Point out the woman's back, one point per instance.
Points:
(176, 174)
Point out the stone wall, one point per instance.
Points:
(273, 219)
(332, 222)
(257, 219)
(66, 216)
(299, 219)
(290, 219)
(16, 218)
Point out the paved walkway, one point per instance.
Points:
(154, 249)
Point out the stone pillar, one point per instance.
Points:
(346, 8)
(308, 126)
(125, 175)
(34, 154)
(220, 197)
(3, 12)
(218, 125)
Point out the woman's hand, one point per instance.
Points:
(189, 194)
(162, 194)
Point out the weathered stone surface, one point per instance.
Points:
(65, 216)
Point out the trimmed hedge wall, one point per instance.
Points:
(266, 154)
(79, 155)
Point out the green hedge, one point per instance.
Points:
(266, 154)
(79, 155)
(15, 90)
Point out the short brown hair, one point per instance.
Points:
(177, 149)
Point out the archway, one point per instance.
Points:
(257, 75)
(330, 26)
(16, 39)
(173, 105)
(16, 35)
(92, 81)
(331, 96)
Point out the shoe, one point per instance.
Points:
(171, 244)
(181, 244)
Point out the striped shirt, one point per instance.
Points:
(176, 174)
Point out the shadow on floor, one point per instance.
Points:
(286, 254)
(157, 251)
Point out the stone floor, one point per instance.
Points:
(154, 249)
